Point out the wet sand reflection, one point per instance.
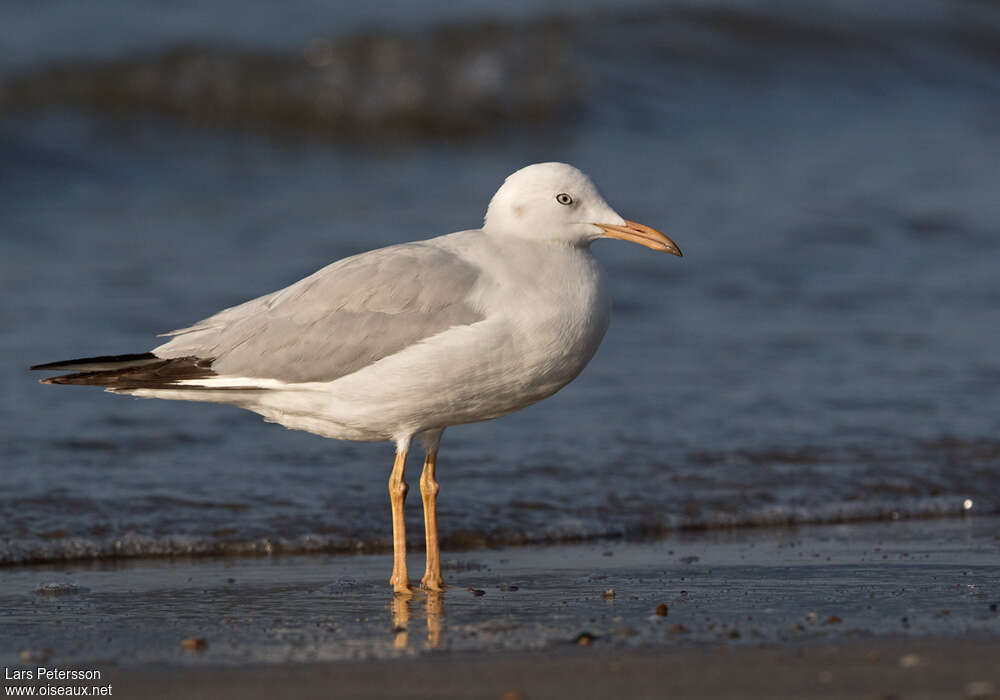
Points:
(401, 608)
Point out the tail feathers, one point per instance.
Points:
(140, 371)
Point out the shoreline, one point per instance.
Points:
(664, 611)
(462, 543)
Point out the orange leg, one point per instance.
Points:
(400, 580)
(428, 491)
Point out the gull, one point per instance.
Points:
(402, 342)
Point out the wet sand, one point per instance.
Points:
(886, 669)
(885, 608)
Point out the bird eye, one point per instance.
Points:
(564, 198)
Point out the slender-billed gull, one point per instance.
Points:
(402, 342)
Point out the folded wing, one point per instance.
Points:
(340, 319)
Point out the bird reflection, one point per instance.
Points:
(401, 607)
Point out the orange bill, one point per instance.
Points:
(643, 235)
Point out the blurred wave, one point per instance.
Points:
(709, 490)
(464, 78)
(452, 80)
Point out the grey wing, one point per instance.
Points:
(338, 320)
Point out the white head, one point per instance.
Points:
(556, 202)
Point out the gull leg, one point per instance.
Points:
(400, 580)
(428, 491)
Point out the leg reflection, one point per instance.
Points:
(401, 620)
(435, 618)
(401, 607)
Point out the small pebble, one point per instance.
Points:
(194, 643)
(661, 609)
(512, 695)
(477, 592)
(979, 689)
(909, 661)
(585, 639)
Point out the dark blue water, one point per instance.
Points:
(826, 350)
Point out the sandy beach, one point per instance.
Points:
(893, 609)
(884, 669)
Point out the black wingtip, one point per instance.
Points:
(126, 372)
(102, 362)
